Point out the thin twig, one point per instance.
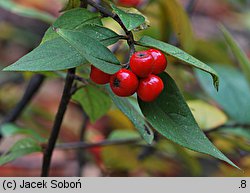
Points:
(84, 145)
(80, 152)
(57, 123)
(106, 13)
(32, 88)
(80, 79)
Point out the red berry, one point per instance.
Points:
(141, 63)
(124, 83)
(98, 76)
(129, 3)
(160, 61)
(150, 88)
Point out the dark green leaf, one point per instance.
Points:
(26, 12)
(130, 20)
(60, 54)
(57, 54)
(234, 93)
(238, 52)
(104, 35)
(91, 49)
(50, 56)
(138, 120)
(21, 148)
(180, 55)
(170, 116)
(73, 19)
(94, 101)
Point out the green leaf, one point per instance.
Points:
(73, 19)
(180, 22)
(50, 56)
(94, 101)
(104, 35)
(180, 55)
(57, 54)
(234, 92)
(130, 111)
(71, 4)
(89, 48)
(130, 20)
(9, 129)
(61, 54)
(238, 52)
(170, 116)
(26, 12)
(21, 148)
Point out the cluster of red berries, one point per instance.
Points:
(129, 3)
(145, 65)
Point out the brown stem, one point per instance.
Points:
(57, 123)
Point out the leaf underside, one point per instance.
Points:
(131, 112)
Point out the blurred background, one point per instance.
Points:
(194, 26)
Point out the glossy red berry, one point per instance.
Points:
(98, 76)
(141, 63)
(160, 61)
(129, 3)
(124, 83)
(150, 88)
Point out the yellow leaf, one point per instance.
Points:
(119, 121)
(206, 115)
(180, 23)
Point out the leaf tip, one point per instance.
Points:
(216, 80)
(6, 69)
(216, 85)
